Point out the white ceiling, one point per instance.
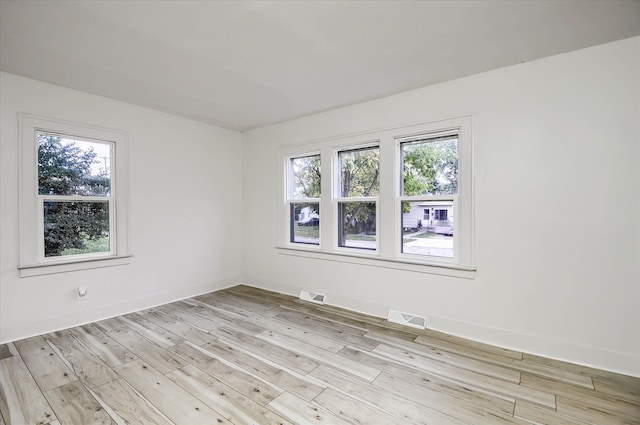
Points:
(246, 64)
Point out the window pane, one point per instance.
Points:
(427, 228)
(73, 167)
(75, 227)
(305, 223)
(305, 177)
(357, 221)
(430, 167)
(359, 172)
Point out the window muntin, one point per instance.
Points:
(75, 196)
(359, 187)
(428, 188)
(304, 191)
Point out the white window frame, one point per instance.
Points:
(290, 201)
(31, 219)
(338, 199)
(454, 198)
(388, 203)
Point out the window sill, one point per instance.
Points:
(30, 270)
(452, 270)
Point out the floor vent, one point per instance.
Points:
(407, 319)
(310, 296)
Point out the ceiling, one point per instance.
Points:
(247, 64)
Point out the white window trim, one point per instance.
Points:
(32, 261)
(389, 217)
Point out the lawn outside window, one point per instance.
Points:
(396, 198)
(73, 196)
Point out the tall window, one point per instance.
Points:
(304, 199)
(73, 196)
(358, 191)
(429, 182)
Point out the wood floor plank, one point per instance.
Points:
(304, 336)
(463, 362)
(174, 310)
(299, 411)
(354, 411)
(287, 380)
(399, 407)
(186, 332)
(445, 393)
(627, 391)
(226, 318)
(74, 405)
(541, 416)
(231, 404)
(103, 346)
(172, 400)
(320, 355)
(128, 404)
(246, 384)
(5, 351)
(484, 382)
(586, 412)
(463, 410)
(84, 364)
(45, 366)
(601, 401)
(111, 324)
(287, 359)
(21, 401)
(151, 331)
(505, 352)
(160, 358)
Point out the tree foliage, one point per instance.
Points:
(64, 169)
(431, 167)
(305, 173)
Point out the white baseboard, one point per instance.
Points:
(613, 361)
(59, 322)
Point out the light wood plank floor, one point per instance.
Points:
(249, 356)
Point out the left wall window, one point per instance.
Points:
(73, 196)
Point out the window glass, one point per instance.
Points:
(305, 222)
(357, 225)
(359, 172)
(305, 177)
(75, 227)
(73, 167)
(430, 166)
(424, 234)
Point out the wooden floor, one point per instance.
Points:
(247, 356)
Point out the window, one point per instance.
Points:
(358, 197)
(429, 165)
(304, 200)
(398, 198)
(73, 203)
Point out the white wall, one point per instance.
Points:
(558, 274)
(185, 190)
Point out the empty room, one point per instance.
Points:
(332, 212)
